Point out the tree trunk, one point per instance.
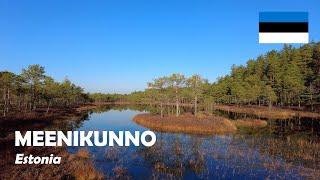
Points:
(270, 104)
(177, 103)
(195, 104)
(8, 101)
(19, 103)
(48, 108)
(5, 102)
(161, 110)
(311, 96)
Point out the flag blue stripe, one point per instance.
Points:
(283, 17)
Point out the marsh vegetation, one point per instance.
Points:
(278, 150)
(259, 148)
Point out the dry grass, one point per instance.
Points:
(82, 168)
(250, 123)
(187, 123)
(265, 112)
(86, 107)
(40, 114)
(71, 167)
(77, 166)
(296, 151)
(83, 153)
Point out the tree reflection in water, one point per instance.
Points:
(279, 150)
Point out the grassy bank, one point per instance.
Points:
(41, 113)
(187, 123)
(56, 119)
(265, 112)
(250, 123)
(73, 166)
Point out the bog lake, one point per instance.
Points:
(284, 149)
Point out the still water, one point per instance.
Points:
(245, 154)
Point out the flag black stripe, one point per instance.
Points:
(283, 27)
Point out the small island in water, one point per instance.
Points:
(187, 123)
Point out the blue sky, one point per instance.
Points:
(118, 46)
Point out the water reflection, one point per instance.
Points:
(281, 150)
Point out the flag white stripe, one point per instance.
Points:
(283, 37)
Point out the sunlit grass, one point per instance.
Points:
(205, 124)
(250, 123)
(265, 112)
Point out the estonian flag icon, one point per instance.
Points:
(283, 27)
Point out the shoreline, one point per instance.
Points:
(38, 120)
(265, 112)
(187, 123)
(260, 111)
(200, 124)
(40, 113)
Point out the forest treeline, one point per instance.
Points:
(288, 77)
(32, 89)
